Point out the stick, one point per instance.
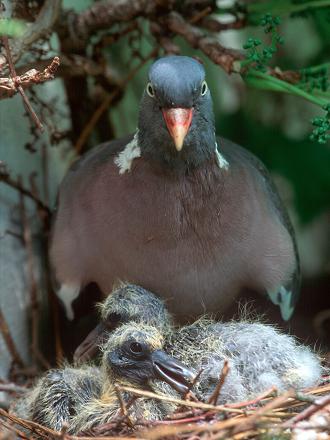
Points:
(105, 104)
(4, 329)
(19, 87)
(5, 178)
(215, 395)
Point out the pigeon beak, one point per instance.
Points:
(89, 346)
(178, 121)
(172, 371)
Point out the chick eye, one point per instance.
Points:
(113, 320)
(204, 88)
(150, 90)
(136, 348)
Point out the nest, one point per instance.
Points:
(296, 415)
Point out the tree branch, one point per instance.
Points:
(9, 86)
(18, 86)
(41, 27)
(104, 14)
(5, 178)
(220, 55)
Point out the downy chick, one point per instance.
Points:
(126, 303)
(85, 397)
(259, 355)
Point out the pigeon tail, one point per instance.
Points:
(67, 294)
(283, 298)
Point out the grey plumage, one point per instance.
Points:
(55, 398)
(130, 303)
(127, 303)
(259, 355)
(85, 397)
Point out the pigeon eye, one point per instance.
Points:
(204, 88)
(136, 348)
(150, 90)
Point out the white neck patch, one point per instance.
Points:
(125, 158)
(221, 161)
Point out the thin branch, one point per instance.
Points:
(215, 395)
(104, 14)
(10, 344)
(123, 407)
(34, 302)
(199, 405)
(41, 27)
(20, 434)
(5, 178)
(106, 103)
(12, 388)
(268, 393)
(217, 53)
(18, 86)
(9, 86)
(318, 404)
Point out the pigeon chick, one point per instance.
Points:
(259, 355)
(85, 397)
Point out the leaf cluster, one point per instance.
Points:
(258, 53)
(321, 132)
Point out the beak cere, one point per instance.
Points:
(178, 121)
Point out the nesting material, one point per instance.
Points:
(283, 417)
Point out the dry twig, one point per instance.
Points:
(237, 425)
(5, 332)
(106, 103)
(10, 86)
(34, 303)
(40, 28)
(5, 178)
(18, 86)
(215, 395)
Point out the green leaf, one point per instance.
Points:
(257, 9)
(12, 27)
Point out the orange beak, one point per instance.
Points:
(178, 121)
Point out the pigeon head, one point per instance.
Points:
(126, 303)
(134, 354)
(176, 122)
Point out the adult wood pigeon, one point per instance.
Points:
(188, 215)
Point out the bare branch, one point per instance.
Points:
(9, 86)
(18, 86)
(42, 26)
(104, 14)
(224, 373)
(5, 178)
(220, 55)
(5, 332)
(106, 103)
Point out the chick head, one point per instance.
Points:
(133, 354)
(126, 303)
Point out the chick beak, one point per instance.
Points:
(172, 371)
(89, 346)
(178, 121)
